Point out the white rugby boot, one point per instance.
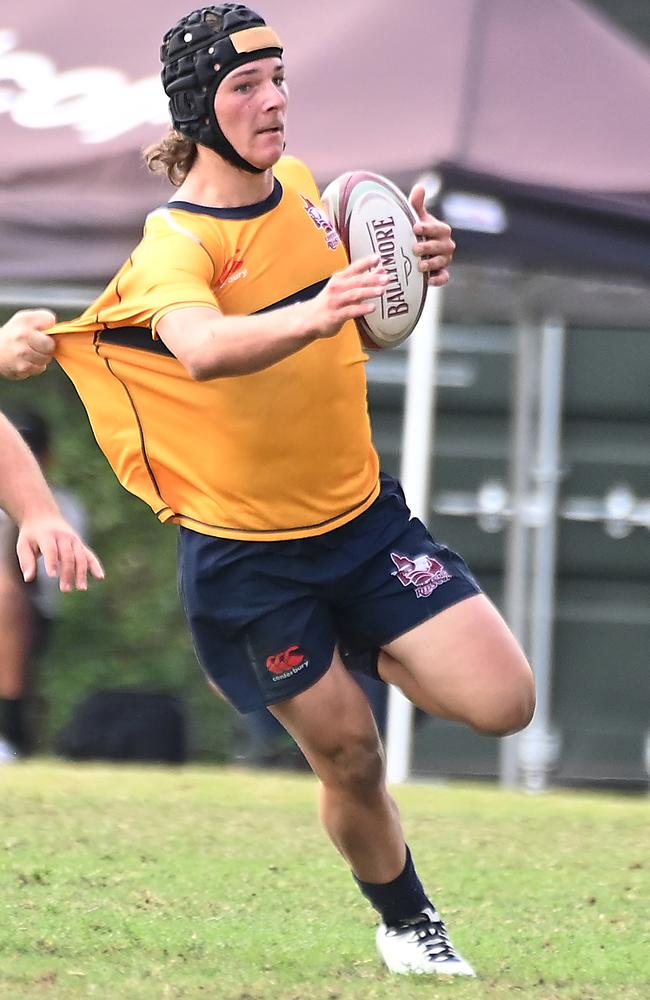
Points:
(421, 945)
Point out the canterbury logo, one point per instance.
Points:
(289, 659)
(232, 270)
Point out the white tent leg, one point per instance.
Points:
(516, 573)
(417, 438)
(538, 745)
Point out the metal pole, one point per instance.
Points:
(415, 475)
(516, 570)
(538, 745)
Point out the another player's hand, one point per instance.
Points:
(64, 553)
(24, 349)
(347, 295)
(435, 245)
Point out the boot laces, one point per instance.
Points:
(430, 934)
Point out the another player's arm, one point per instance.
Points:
(25, 350)
(211, 345)
(435, 246)
(28, 500)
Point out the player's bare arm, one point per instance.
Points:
(25, 349)
(28, 500)
(435, 246)
(211, 345)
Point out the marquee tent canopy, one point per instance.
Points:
(539, 112)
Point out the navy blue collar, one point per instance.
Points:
(241, 212)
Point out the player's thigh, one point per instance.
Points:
(16, 635)
(464, 663)
(333, 724)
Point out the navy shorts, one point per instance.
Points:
(266, 617)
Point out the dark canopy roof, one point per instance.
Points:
(545, 104)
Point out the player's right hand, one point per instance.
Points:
(25, 350)
(347, 295)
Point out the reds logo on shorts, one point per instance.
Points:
(422, 573)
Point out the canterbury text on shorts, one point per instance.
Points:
(266, 617)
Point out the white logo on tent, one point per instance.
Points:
(98, 101)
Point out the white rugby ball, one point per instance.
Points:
(371, 215)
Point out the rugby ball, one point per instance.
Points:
(371, 215)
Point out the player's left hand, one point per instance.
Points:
(435, 246)
(64, 553)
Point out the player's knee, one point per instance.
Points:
(357, 764)
(510, 710)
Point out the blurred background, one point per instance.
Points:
(530, 125)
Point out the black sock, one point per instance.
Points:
(13, 723)
(401, 899)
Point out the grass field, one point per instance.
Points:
(143, 884)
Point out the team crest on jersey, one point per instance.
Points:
(422, 573)
(232, 270)
(321, 221)
(290, 661)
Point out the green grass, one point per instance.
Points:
(143, 884)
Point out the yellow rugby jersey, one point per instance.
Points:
(277, 454)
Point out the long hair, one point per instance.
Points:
(173, 156)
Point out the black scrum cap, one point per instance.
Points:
(197, 53)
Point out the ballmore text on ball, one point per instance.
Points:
(384, 232)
